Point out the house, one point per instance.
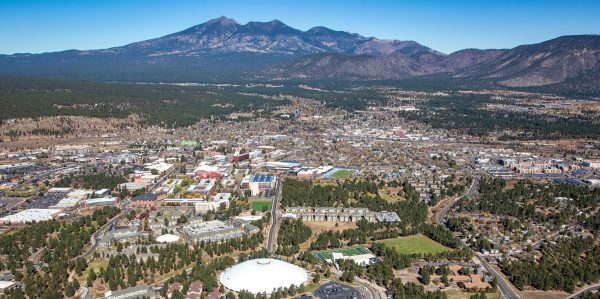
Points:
(194, 290)
(176, 286)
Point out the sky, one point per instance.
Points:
(30, 26)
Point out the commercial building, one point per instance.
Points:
(216, 231)
(121, 235)
(220, 199)
(205, 186)
(147, 200)
(591, 163)
(142, 291)
(30, 215)
(102, 201)
(261, 183)
(360, 259)
(339, 214)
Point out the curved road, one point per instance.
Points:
(507, 291)
(588, 289)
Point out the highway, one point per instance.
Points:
(507, 291)
(273, 230)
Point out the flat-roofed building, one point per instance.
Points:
(261, 183)
(30, 215)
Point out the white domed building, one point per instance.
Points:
(262, 276)
(167, 238)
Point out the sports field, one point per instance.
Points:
(417, 244)
(258, 205)
(339, 173)
(350, 251)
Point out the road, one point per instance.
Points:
(366, 289)
(507, 291)
(588, 289)
(440, 217)
(273, 230)
(96, 235)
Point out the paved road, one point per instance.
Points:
(507, 291)
(366, 290)
(588, 289)
(440, 217)
(273, 230)
(96, 235)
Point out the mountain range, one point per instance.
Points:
(224, 50)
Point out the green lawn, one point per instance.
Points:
(258, 205)
(414, 245)
(342, 173)
(350, 251)
(387, 196)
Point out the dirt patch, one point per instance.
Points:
(545, 295)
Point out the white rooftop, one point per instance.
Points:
(262, 276)
(167, 238)
(31, 215)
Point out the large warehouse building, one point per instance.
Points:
(263, 276)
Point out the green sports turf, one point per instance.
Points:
(342, 173)
(258, 205)
(417, 244)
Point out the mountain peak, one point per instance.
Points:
(223, 20)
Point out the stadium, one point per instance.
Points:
(262, 276)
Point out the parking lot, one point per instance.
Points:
(49, 199)
(8, 203)
(334, 290)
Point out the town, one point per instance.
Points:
(317, 200)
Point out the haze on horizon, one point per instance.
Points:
(41, 26)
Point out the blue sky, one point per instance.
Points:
(43, 26)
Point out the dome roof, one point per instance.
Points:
(262, 276)
(167, 238)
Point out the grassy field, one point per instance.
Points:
(464, 295)
(258, 205)
(350, 251)
(342, 173)
(96, 265)
(388, 196)
(415, 244)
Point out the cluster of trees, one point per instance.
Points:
(240, 244)
(561, 266)
(442, 271)
(59, 246)
(180, 105)
(204, 272)
(207, 274)
(467, 109)
(364, 193)
(439, 234)
(91, 181)
(522, 199)
(382, 273)
(291, 234)
(125, 271)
